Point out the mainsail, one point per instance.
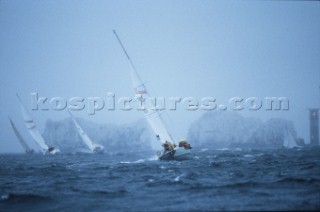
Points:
(289, 142)
(32, 128)
(92, 146)
(152, 114)
(23, 143)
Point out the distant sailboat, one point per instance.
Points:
(23, 143)
(95, 148)
(35, 133)
(289, 142)
(154, 118)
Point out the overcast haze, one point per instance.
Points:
(181, 48)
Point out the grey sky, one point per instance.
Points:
(181, 48)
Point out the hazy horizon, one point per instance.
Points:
(180, 48)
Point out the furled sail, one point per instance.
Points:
(152, 114)
(23, 143)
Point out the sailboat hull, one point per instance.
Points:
(98, 149)
(52, 152)
(31, 151)
(176, 154)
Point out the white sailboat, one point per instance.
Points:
(153, 116)
(45, 149)
(289, 142)
(23, 143)
(95, 148)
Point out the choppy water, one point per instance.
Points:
(211, 180)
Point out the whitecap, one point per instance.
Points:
(237, 149)
(125, 162)
(128, 162)
(80, 164)
(139, 161)
(224, 149)
(177, 179)
(153, 158)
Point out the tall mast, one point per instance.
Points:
(153, 116)
(134, 72)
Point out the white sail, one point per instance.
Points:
(32, 129)
(289, 142)
(152, 115)
(85, 138)
(23, 143)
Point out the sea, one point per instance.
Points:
(211, 180)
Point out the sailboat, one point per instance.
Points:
(95, 148)
(23, 143)
(153, 116)
(289, 142)
(45, 148)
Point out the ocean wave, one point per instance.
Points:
(177, 179)
(23, 197)
(242, 184)
(153, 158)
(224, 149)
(108, 193)
(288, 179)
(128, 162)
(78, 166)
(136, 182)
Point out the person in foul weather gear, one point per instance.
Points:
(185, 144)
(168, 146)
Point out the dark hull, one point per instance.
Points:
(176, 154)
(168, 155)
